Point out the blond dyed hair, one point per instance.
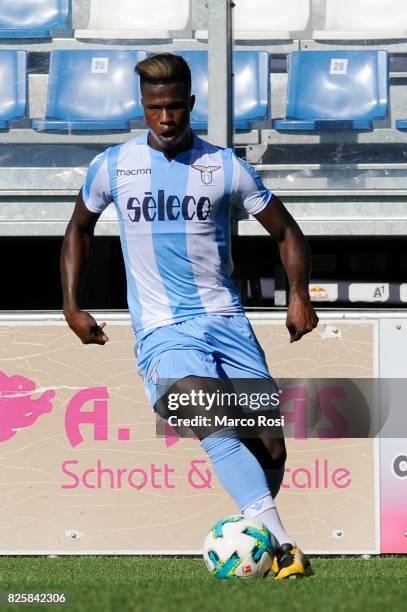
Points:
(164, 68)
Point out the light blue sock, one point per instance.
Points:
(237, 468)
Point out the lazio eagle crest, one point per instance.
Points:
(206, 173)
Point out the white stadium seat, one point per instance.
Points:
(268, 19)
(137, 19)
(363, 19)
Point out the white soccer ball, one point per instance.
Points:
(238, 547)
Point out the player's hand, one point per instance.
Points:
(86, 328)
(301, 317)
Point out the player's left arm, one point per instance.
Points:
(296, 259)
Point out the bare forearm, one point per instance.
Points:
(296, 258)
(74, 260)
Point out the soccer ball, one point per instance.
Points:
(238, 547)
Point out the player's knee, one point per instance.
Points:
(186, 401)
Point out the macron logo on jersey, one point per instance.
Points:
(133, 171)
(164, 207)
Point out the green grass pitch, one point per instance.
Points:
(149, 584)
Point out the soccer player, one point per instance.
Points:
(173, 194)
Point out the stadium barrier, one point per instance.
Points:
(87, 473)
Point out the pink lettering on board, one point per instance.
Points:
(75, 416)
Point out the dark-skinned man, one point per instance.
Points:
(173, 194)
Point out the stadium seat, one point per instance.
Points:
(268, 19)
(251, 87)
(92, 90)
(363, 19)
(335, 90)
(13, 86)
(32, 18)
(141, 19)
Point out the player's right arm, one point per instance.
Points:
(92, 200)
(74, 259)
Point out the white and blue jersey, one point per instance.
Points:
(174, 218)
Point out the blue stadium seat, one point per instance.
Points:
(32, 18)
(251, 87)
(335, 90)
(13, 86)
(401, 124)
(92, 90)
